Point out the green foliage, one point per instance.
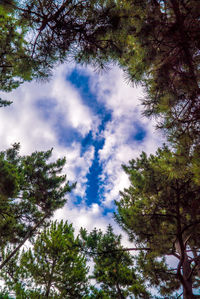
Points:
(113, 266)
(15, 61)
(35, 36)
(156, 42)
(31, 189)
(53, 267)
(160, 210)
(96, 294)
(74, 28)
(162, 52)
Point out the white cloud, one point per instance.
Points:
(83, 216)
(116, 93)
(25, 122)
(22, 123)
(71, 107)
(123, 101)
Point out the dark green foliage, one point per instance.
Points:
(6, 297)
(162, 52)
(113, 266)
(16, 63)
(156, 42)
(160, 210)
(96, 294)
(36, 35)
(75, 28)
(53, 268)
(31, 189)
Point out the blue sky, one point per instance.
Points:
(81, 81)
(93, 119)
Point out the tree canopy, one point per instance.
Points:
(53, 267)
(16, 63)
(162, 52)
(156, 42)
(31, 190)
(39, 34)
(113, 265)
(160, 210)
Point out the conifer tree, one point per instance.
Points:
(113, 266)
(31, 189)
(37, 35)
(162, 53)
(16, 63)
(156, 42)
(160, 210)
(53, 267)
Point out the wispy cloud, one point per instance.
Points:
(126, 135)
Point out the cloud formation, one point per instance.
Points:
(126, 135)
(55, 114)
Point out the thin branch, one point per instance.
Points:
(27, 236)
(116, 250)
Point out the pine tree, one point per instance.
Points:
(113, 266)
(163, 54)
(16, 63)
(31, 189)
(53, 267)
(40, 34)
(156, 42)
(160, 210)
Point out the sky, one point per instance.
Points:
(92, 118)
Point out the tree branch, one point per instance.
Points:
(27, 236)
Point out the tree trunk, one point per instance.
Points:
(27, 236)
(121, 296)
(50, 279)
(185, 276)
(197, 260)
